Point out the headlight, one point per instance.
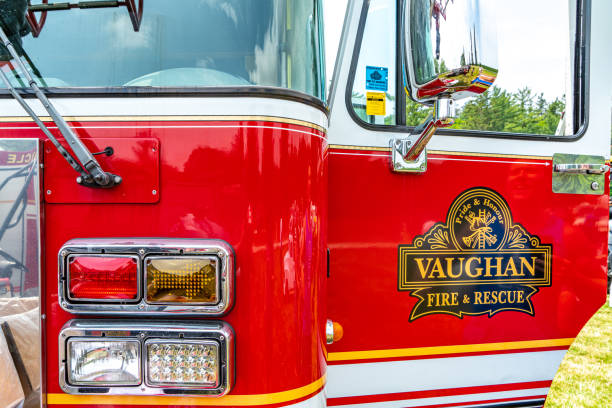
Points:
(188, 364)
(103, 362)
(106, 357)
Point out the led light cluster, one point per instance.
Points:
(150, 276)
(180, 363)
(105, 278)
(138, 357)
(189, 280)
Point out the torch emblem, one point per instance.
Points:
(482, 236)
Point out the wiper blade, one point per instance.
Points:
(90, 172)
(134, 11)
(68, 6)
(73, 163)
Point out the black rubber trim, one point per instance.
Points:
(145, 91)
(400, 94)
(532, 403)
(582, 51)
(348, 94)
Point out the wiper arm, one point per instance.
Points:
(91, 173)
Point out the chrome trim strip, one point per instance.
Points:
(143, 248)
(219, 332)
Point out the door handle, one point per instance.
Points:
(581, 168)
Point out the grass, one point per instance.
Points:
(584, 378)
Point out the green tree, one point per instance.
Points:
(498, 110)
(415, 112)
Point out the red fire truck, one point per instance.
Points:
(189, 218)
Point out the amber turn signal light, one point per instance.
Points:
(191, 280)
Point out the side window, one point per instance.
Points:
(19, 273)
(534, 89)
(373, 96)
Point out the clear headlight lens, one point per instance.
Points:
(194, 364)
(103, 362)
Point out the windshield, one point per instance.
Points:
(187, 43)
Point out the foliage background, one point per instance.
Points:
(500, 110)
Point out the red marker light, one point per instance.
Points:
(103, 277)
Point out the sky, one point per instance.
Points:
(532, 36)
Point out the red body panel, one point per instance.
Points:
(260, 186)
(372, 210)
(136, 157)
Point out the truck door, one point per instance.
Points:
(466, 281)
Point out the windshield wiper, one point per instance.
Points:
(134, 11)
(91, 173)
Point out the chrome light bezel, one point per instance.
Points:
(143, 248)
(143, 331)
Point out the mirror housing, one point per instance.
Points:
(450, 49)
(450, 53)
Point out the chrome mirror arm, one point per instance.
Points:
(90, 172)
(409, 154)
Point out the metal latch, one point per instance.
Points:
(579, 174)
(581, 168)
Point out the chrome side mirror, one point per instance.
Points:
(450, 53)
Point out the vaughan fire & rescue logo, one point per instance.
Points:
(478, 262)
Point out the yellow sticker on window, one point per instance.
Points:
(375, 103)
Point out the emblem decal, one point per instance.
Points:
(478, 262)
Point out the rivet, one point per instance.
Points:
(595, 186)
(222, 338)
(48, 192)
(141, 306)
(64, 253)
(142, 335)
(154, 192)
(141, 251)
